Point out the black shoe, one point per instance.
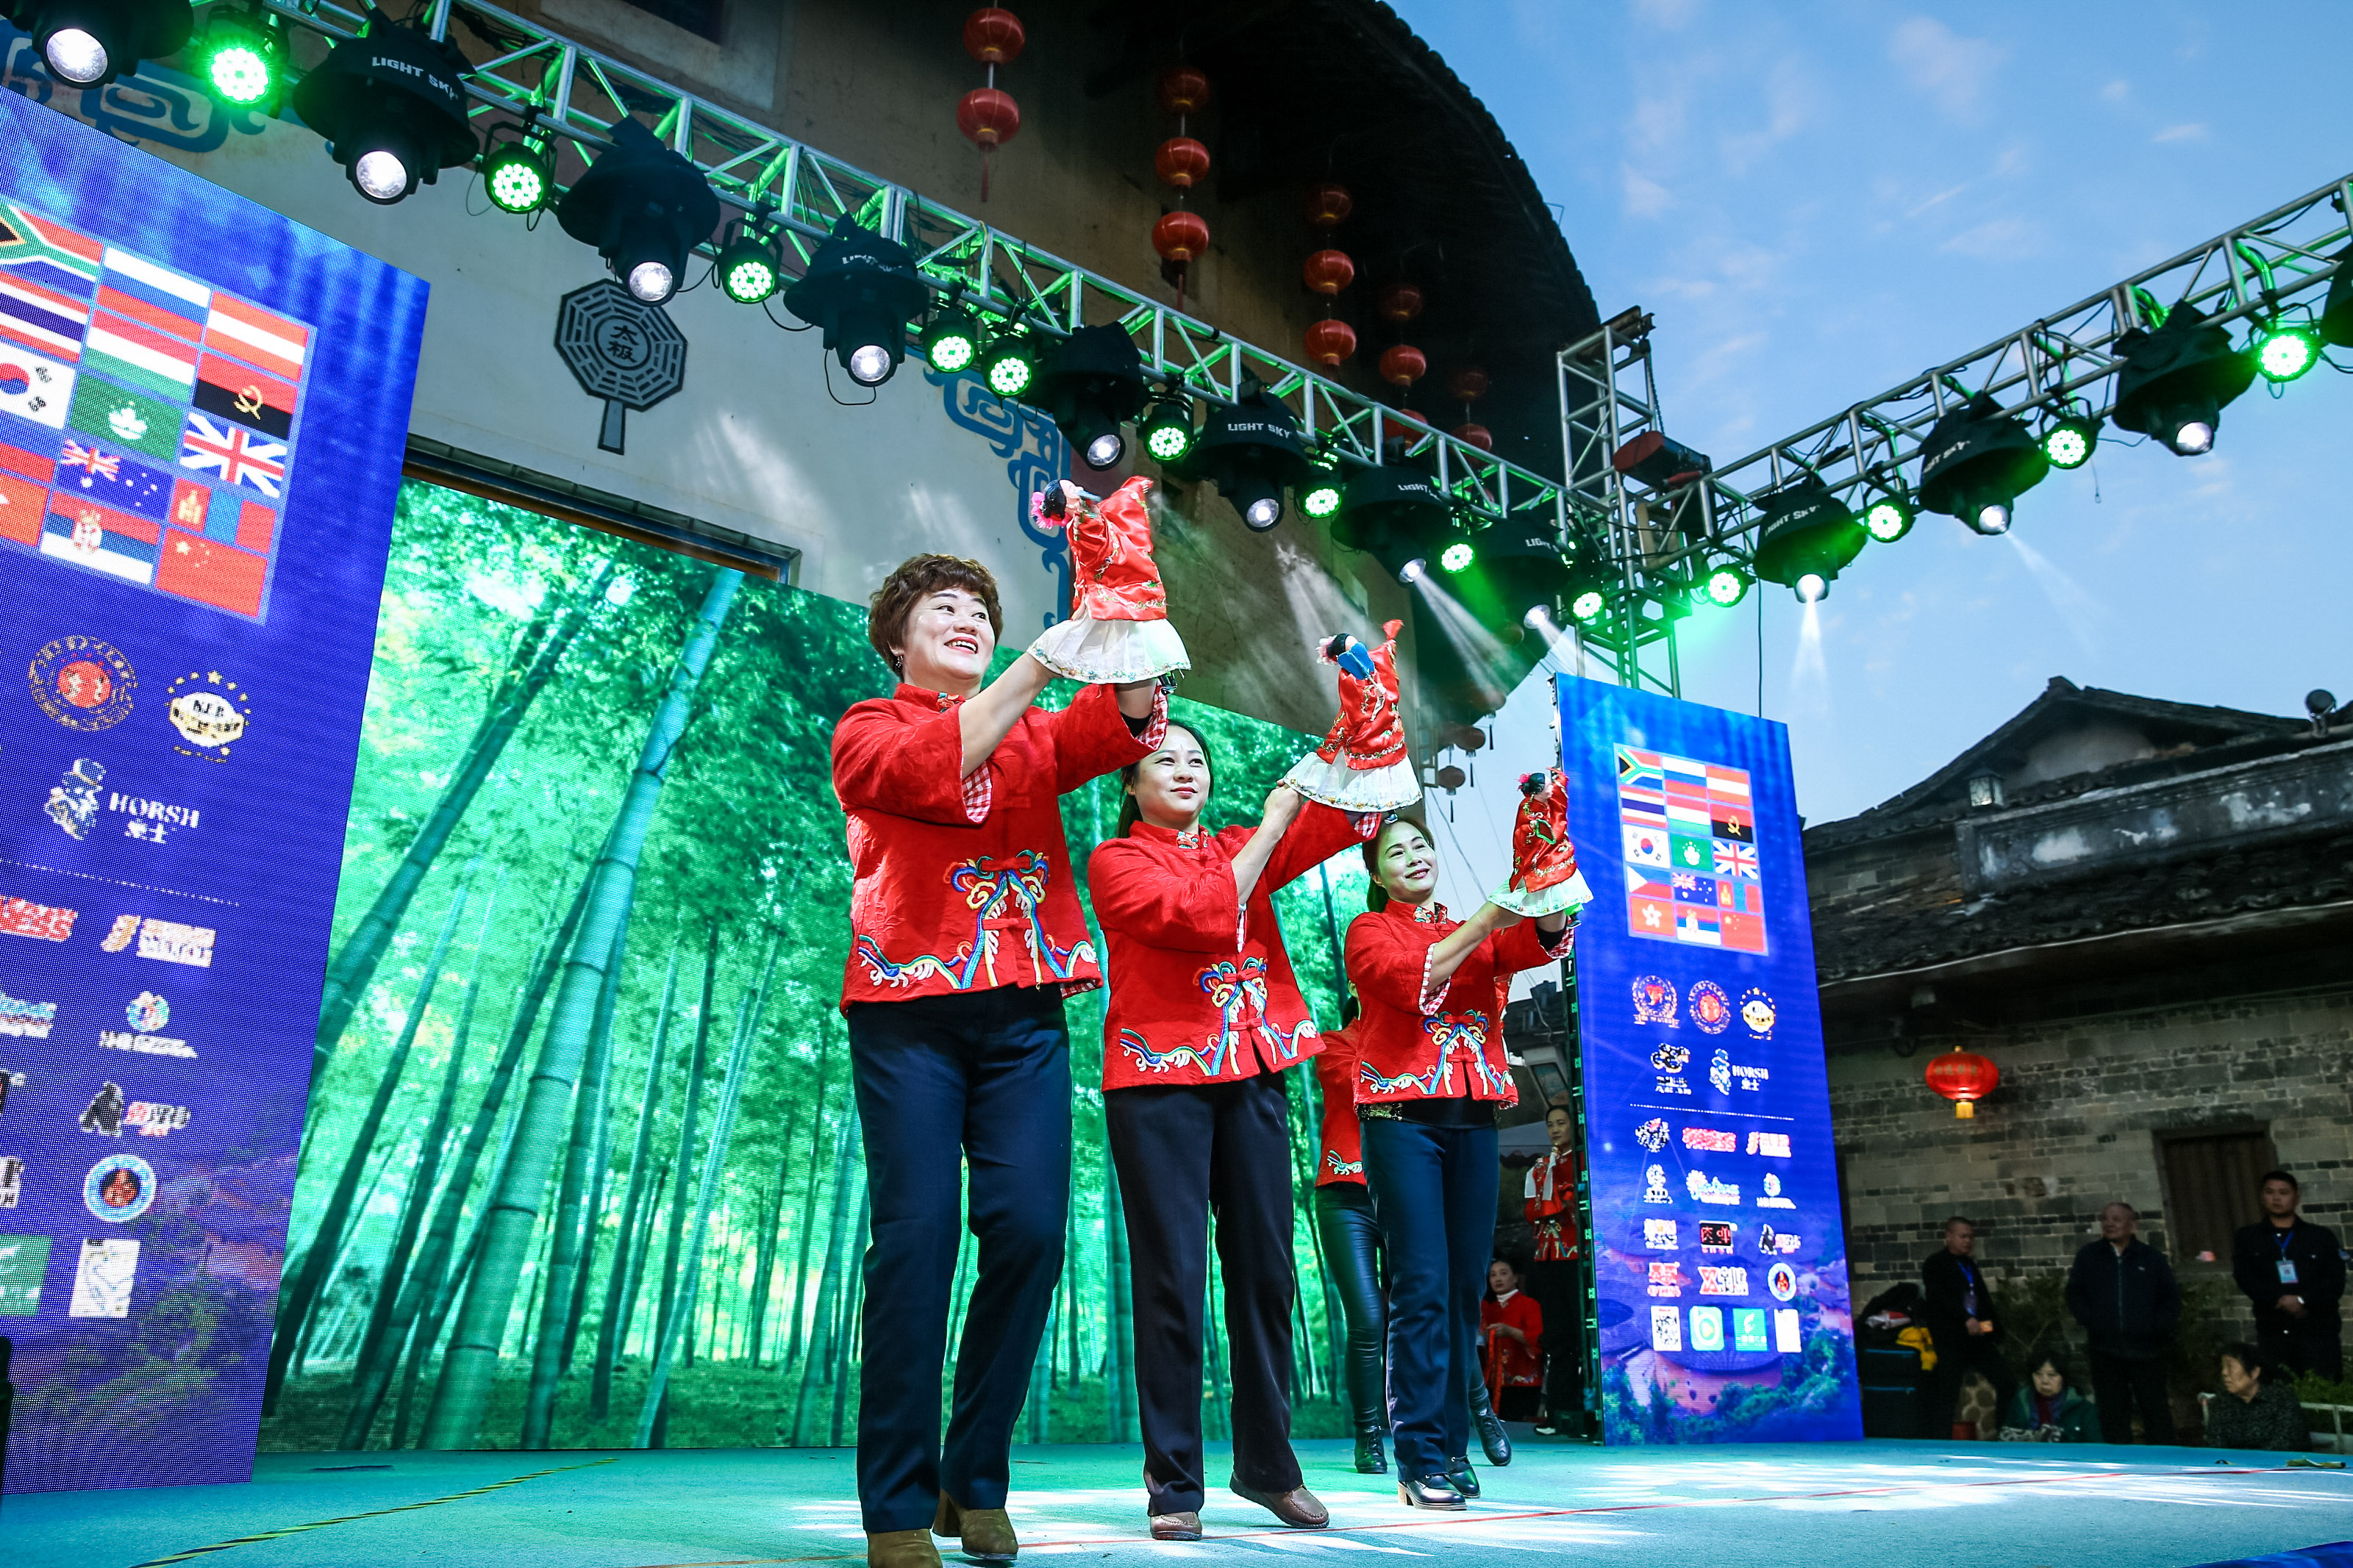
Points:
(1429, 1491)
(1494, 1439)
(1370, 1460)
(1462, 1478)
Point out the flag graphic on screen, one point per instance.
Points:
(150, 423)
(1690, 852)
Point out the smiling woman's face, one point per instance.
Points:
(1406, 864)
(1172, 784)
(948, 642)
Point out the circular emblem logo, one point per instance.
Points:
(209, 711)
(1757, 1012)
(1670, 1058)
(148, 1012)
(1651, 1134)
(82, 683)
(1711, 1009)
(119, 1187)
(1782, 1281)
(1654, 1000)
(1772, 1184)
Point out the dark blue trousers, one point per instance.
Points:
(989, 1073)
(1434, 1191)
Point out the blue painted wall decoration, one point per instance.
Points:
(1720, 1256)
(1036, 456)
(203, 407)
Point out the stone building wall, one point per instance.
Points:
(2078, 1120)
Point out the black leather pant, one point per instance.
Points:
(1352, 1265)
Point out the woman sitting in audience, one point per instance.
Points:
(2257, 1407)
(2047, 1410)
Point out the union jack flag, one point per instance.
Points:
(1735, 859)
(105, 465)
(235, 454)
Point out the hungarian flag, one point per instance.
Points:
(35, 250)
(141, 355)
(212, 573)
(255, 336)
(227, 390)
(35, 388)
(154, 296)
(42, 318)
(99, 538)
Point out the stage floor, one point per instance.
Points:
(1922, 1505)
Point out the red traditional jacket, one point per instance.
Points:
(1340, 1156)
(1549, 1202)
(1368, 733)
(1417, 1046)
(1112, 577)
(1201, 990)
(963, 884)
(1509, 1361)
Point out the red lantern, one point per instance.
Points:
(1329, 343)
(993, 36)
(1401, 302)
(1180, 161)
(1184, 90)
(1328, 271)
(1180, 236)
(1402, 365)
(1469, 384)
(989, 116)
(1478, 435)
(1964, 1078)
(1326, 206)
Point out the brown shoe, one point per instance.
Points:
(1175, 1527)
(1296, 1508)
(902, 1549)
(987, 1532)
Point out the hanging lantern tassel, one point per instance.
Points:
(1964, 1078)
(1181, 236)
(987, 117)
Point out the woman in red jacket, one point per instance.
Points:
(1204, 1016)
(1512, 1326)
(1429, 1075)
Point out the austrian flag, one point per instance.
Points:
(238, 456)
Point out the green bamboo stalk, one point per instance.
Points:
(343, 1253)
(851, 1300)
(808, 1200)
(532, 664)
(593, 1210)
(817, 1358)
(468, 1369)
(324, 1243)
(620, 1285)
(698, 1063)
(1119, 1353)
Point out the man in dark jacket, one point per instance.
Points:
(2122, 1290)
(2295, 1274)
(1959, 1314)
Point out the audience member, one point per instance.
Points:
(1959, 1313)
(2254, 1411)
(1555, 1277)
(2122, 1290)
(1512, 1327)
(2295, 1274)
(2047, 1410)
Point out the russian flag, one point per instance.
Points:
(153, 296)
(98, 537)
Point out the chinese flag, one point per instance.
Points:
(1742, 933)
(212, 573)
(21, 505)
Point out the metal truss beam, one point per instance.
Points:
(1659, 541)
(577, 95)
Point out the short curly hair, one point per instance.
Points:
(915, 579)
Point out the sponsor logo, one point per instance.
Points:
(1773, 1198)
(1708, 1190)
(119, 1188)
(1659, 1236)
(1719, 1071)
(1710, 1008)
(23, 1259)
(153, 1120)
(1771, 1241)
(1786, 1339)
(1723, 1280)
(82, 683)
(1668, 1083)
(42, 923)
(1707, 1327)
(1748, 1328)
(1774, 1145)
(1715, 1235)
(29, 1019)
(147, 1011)
(1670, 1060)
(1651, 1134)
(1666, 1279)
(103, 1114)
(1709, 1140)
(12, 1181)
(1757, 1012)
(1666, 1329)
(153, 820)
(1655, 1191)
(1781, 1282)
(1654, 1000)
(168, 941)
(1751, 1078)
(145, 1045)
(209, 712)
(73, 799)
(102, 1287)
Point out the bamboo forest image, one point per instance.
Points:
(582, 1168)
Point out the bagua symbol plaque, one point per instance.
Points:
(620, 349)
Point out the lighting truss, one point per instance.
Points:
(580, 95)
(1608, 396)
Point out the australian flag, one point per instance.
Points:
(96, 473)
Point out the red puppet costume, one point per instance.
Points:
(1548, 1202)
(1204, 1015)
(1118, 628)
(1545, 878)
(1362, 764)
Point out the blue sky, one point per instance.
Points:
(1819, 200)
